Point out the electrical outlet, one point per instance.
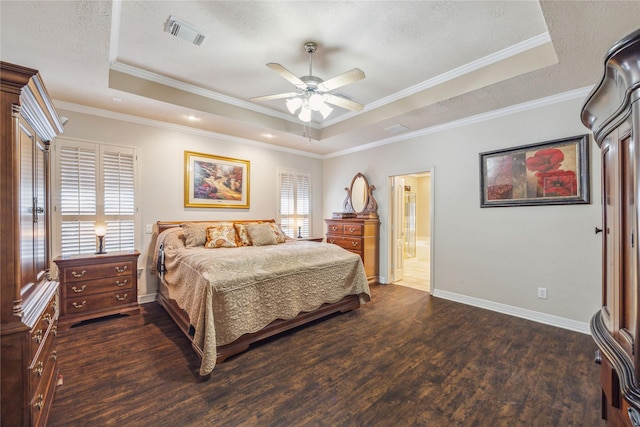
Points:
(542, 293)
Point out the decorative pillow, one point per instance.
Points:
(242, 235)
(281, 237)
(221, 236)
(261, 234)
(195, 233)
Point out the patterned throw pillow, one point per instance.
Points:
(195, 233)
(241, 231)
(280, 236)
(261, 234)
(221, 236)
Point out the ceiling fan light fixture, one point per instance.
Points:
(305, 114)
(293, 104)
(325, 110)
(316, 102)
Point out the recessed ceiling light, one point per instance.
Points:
(116, 99)
(268, 135)
(192, 118)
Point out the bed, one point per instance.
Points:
(225, 297)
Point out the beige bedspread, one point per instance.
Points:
(228, 292)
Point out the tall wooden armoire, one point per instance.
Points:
(612, 112)
(28, 296)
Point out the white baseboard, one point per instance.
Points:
(536, 316)
(144, 299)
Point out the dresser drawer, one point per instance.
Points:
(45, 325)
(44, 361)
(335, 229)
(351, 244)
(89, 272)
(43, 390)
(352, 230)
(81, 304)
(90, 287)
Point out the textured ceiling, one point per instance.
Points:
(426, 63)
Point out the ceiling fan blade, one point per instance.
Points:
(277, 96)
(341, 80)
(342, 102)
(287, 75)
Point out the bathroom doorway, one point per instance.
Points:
(411, 230)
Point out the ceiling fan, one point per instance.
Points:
(312, 93)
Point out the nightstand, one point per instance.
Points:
(311, 239)
(93, 286)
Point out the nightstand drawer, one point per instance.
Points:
(45, 325)
(83, 304)
(89, 272)
(90, 287)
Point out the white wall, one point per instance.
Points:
(161, 175)
(501, 255)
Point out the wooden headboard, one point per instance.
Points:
(165, 225)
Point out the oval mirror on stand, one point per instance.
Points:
(359, 202)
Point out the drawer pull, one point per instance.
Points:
(119, 298)
(334, 228)
(121, 270)
(38, 369)
(39, 402)
(78, 274)
(76, 305)
(54, 330)
(77, 291)
(354, 244)
(121, 284)
(54, 355)
(352, 229)
(37, 337)
(332, 241)
(47, 318)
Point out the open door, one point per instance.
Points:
(397, 228)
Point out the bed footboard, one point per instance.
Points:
(348, 303)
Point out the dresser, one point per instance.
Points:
(360, 236)
(612, 112)
(94, 286)
(29, 304)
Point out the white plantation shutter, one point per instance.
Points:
(97, 186)
(119, 199)
(77, 198)
(294, 188)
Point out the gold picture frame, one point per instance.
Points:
(215, 181)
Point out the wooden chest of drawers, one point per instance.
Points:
(360, 236)
(97, 285)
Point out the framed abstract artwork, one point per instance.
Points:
(548, 173)
(215, 181)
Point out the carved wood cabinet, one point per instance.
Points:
(93, 286)
(612, 112)
(360, 236)
(28, 297)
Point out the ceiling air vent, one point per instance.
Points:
(396, 128)
(184, 31)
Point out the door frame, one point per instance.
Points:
(432, 223)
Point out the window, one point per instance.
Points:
(97, 188)
(294, 189)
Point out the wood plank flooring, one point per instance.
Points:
(403, 359)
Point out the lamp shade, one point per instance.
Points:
(305, 114)
(293, 104)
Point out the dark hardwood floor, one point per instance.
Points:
(404, 359)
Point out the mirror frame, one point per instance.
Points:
(370, 209)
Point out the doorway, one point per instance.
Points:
(411, 230)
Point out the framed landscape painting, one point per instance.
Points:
(549, 173)
(215, 182)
